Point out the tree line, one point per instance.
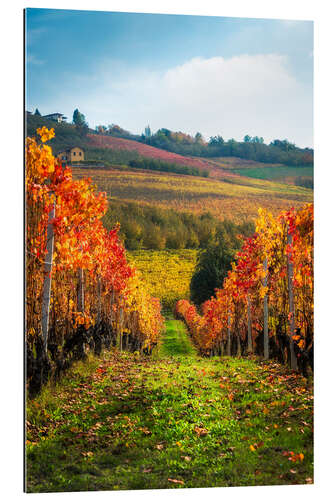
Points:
(165, 166)
(154, 228)
(251, 148)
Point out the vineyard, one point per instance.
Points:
(80, 290)
(167, 274)
(266, 303)
(123, 395)
(238, 199)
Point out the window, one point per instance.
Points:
(80, 154)
(74, 153)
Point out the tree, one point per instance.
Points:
(37, 113)
(147, 132)
(79, 118)
(247, 138)
(198, 139)
(211, 269)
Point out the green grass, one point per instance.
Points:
(176, 341)
(128, 422)
(275, 172)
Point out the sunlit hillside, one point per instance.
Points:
(238, 199)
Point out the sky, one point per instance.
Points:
(213, 75)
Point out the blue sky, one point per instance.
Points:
(227, 76)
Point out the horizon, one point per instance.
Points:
(213, 75)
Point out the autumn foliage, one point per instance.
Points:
(97, 298)
(233, 320)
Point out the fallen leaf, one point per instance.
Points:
(159, 446)
(177, 481)
(187, 459)
(200, 431)
(87, 453)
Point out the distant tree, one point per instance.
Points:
(79, 118)
(37, 113)
(101, 129)
(247, 138)
(216, 140)
(153, 238)
(285, 145)
(198, 138)
(211, 269)
(147, 132)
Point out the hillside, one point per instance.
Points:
(236, 198)
(115, 151)
(144, 150)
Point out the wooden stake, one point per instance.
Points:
(46, 296)
(80, 291)
(99, 293)
(249, 326)
(266, 341)
(290, 267)
(229, 335)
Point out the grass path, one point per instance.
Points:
(171, 421)
(176, 341)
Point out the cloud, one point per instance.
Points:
(246, 94)
(33, 35)
(32, 59)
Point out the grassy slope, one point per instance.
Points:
(237, 199)
(267, 171)
(124, 422)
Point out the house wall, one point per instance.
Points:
(76, 154)
(63, 156)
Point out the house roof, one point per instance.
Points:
(53, 114)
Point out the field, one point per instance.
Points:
(238, 199)
(280, 173)
(174, 421)
(167, 273)
(115, 143)
(267, 171)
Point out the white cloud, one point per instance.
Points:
(247, 94)
(32, 59)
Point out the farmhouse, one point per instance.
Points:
(57, 117)
(72, 154)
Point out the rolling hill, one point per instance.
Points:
(237, 198)
(108, 142)
(115, 151)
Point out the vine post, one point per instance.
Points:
(80, 291)
(249, 325)
(46, 294)
(266, 342)
(290, 267)
(229, 335)
(99, 293)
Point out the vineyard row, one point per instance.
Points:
(266, 303)
(81, 293)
